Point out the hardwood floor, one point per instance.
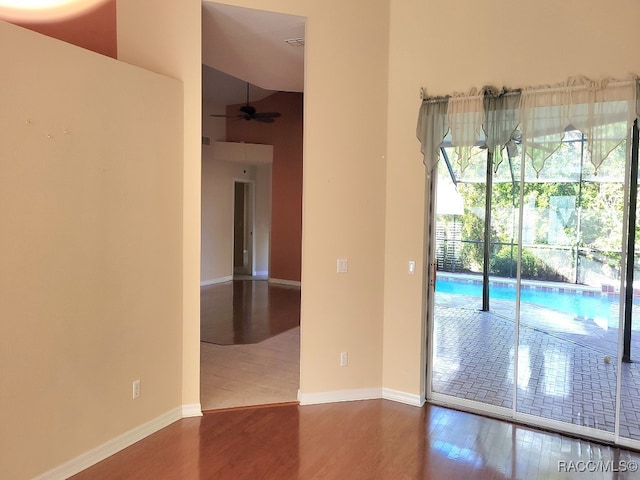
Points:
(374, 439)
(247, 311)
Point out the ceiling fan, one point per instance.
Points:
(249, 112)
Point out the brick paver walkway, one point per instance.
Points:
(562, 374)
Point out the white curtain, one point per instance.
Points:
(602, 111)
(466, 116)
(431, 129)
(501, 123)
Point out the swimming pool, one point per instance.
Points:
(564, 298)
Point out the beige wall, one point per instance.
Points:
(213, 127)
(343, 189)
(344, 193)
(453, 46)
(263, 218)
(164, 36)
(215, 235)
(90, 264)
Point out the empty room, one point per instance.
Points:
(465, 248)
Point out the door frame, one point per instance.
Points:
(251, 221)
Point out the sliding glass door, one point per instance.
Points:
(532, 318)
(473, 348)
(571, 271)
(629, 414)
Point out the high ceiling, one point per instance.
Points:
(218, 88)
(242, 45)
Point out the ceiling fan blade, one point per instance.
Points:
(224, 116)
(268, 115)
(264, 119)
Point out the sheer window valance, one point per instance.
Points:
(536, 117)
(432, 127)
(465, 116)
(501, 123)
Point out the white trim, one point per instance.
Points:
(87, 459)
(291, 283)
(213, 281)
(471, 406)
(191, 410)
(339, 396)
(628, 443)
(403, 397)
(360, 394)
(503, 413)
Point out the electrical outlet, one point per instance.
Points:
(344, 359)
(136, 389)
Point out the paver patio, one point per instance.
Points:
(562, 375)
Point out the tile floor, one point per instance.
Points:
(255, 355)
(561, 376)
(254, 374)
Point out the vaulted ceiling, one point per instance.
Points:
(239, 45)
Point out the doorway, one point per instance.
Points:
(243, 226)
(238, 193)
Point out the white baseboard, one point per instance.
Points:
(403, 397)
(339, 396)
(261, 273)
(290, 283)
(360, 394)
(191, 410)
(87, 459)
(213, 281)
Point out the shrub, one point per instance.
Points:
(502, 265)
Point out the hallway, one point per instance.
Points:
(250, 348)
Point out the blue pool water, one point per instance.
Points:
(575, 303)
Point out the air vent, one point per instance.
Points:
(206, 140)
(296, 42)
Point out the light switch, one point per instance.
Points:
(412, 267)
(343, 265)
